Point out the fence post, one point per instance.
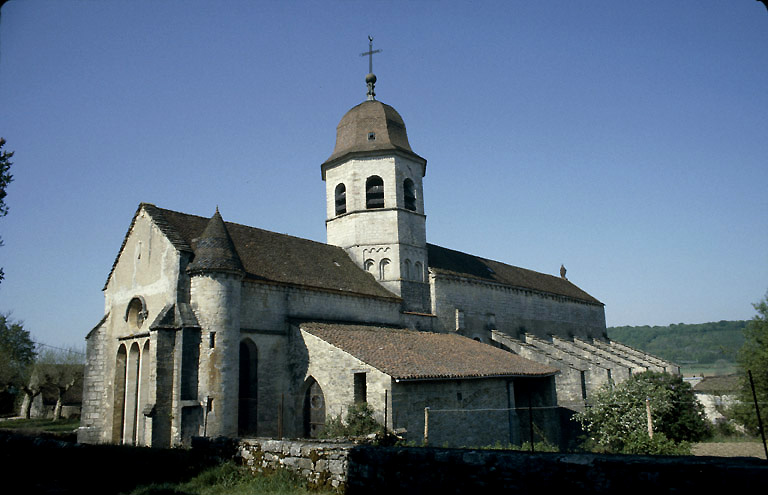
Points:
(386, 393)
(426, 426)
(648, 413)
(757, 410)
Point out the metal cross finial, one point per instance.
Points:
(370, 79)
(370, 53)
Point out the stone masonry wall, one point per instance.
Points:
(92, 413)
(487, 306)
(323, 464)
(353, 469)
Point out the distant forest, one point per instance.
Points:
(686, 344)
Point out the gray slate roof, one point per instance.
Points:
(388, 128)
(450, 262)
(417, 355)
(272, 257)
(285, 259)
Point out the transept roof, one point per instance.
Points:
(417, 355)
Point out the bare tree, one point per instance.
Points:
(54, 373)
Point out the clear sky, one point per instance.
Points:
(625, 140)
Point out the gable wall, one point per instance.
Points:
(334, 370)
(512, 310)
(148, 266)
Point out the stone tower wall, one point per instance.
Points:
(215, 299)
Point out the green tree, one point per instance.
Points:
(5, 179)
(753, 357)
(17, 353)
(616, 419)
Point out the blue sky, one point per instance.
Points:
(625, 140)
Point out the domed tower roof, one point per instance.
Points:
(214, 250)
(371, 128)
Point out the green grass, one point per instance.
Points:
(231, 479)
(708, 370)
(41, 425)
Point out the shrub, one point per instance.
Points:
(616, 420)
(359, 422)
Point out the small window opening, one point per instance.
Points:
(212, 340)
(374, 192)
(459, 320)
(361, 388)
(409, 195)
(371, 136)
(341, 199)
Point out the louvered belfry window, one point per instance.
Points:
(374, 192)
(409, 194)
(341, 199)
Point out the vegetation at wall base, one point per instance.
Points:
(231, 479)
(359, 422)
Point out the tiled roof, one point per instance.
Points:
(718, 384)
(214, 249)
(274, 257)
(291, 260)
(413, 355)
(449, 262)
(369, 127)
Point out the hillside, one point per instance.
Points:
(686, 344)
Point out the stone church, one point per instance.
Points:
(216, 329)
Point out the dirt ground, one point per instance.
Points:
(730, 449)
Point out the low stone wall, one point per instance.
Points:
(353, 469)
(322, 463)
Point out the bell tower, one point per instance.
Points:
(375, 202)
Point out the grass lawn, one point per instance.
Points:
(231, 479)
(41, 425)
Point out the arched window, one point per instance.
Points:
(384, 269)
(374, 192)
(248, 394)
(369, 265)
(406, 270)
(341, 199)
(118, 387)
(409, 195)
(136, 313)
(418, 271)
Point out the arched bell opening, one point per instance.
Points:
(341, 199)
(409, 195)
(374, 192)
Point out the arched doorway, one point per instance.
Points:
(314, 409)
(247, 417)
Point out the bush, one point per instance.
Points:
(616, 420)
(360, 422)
